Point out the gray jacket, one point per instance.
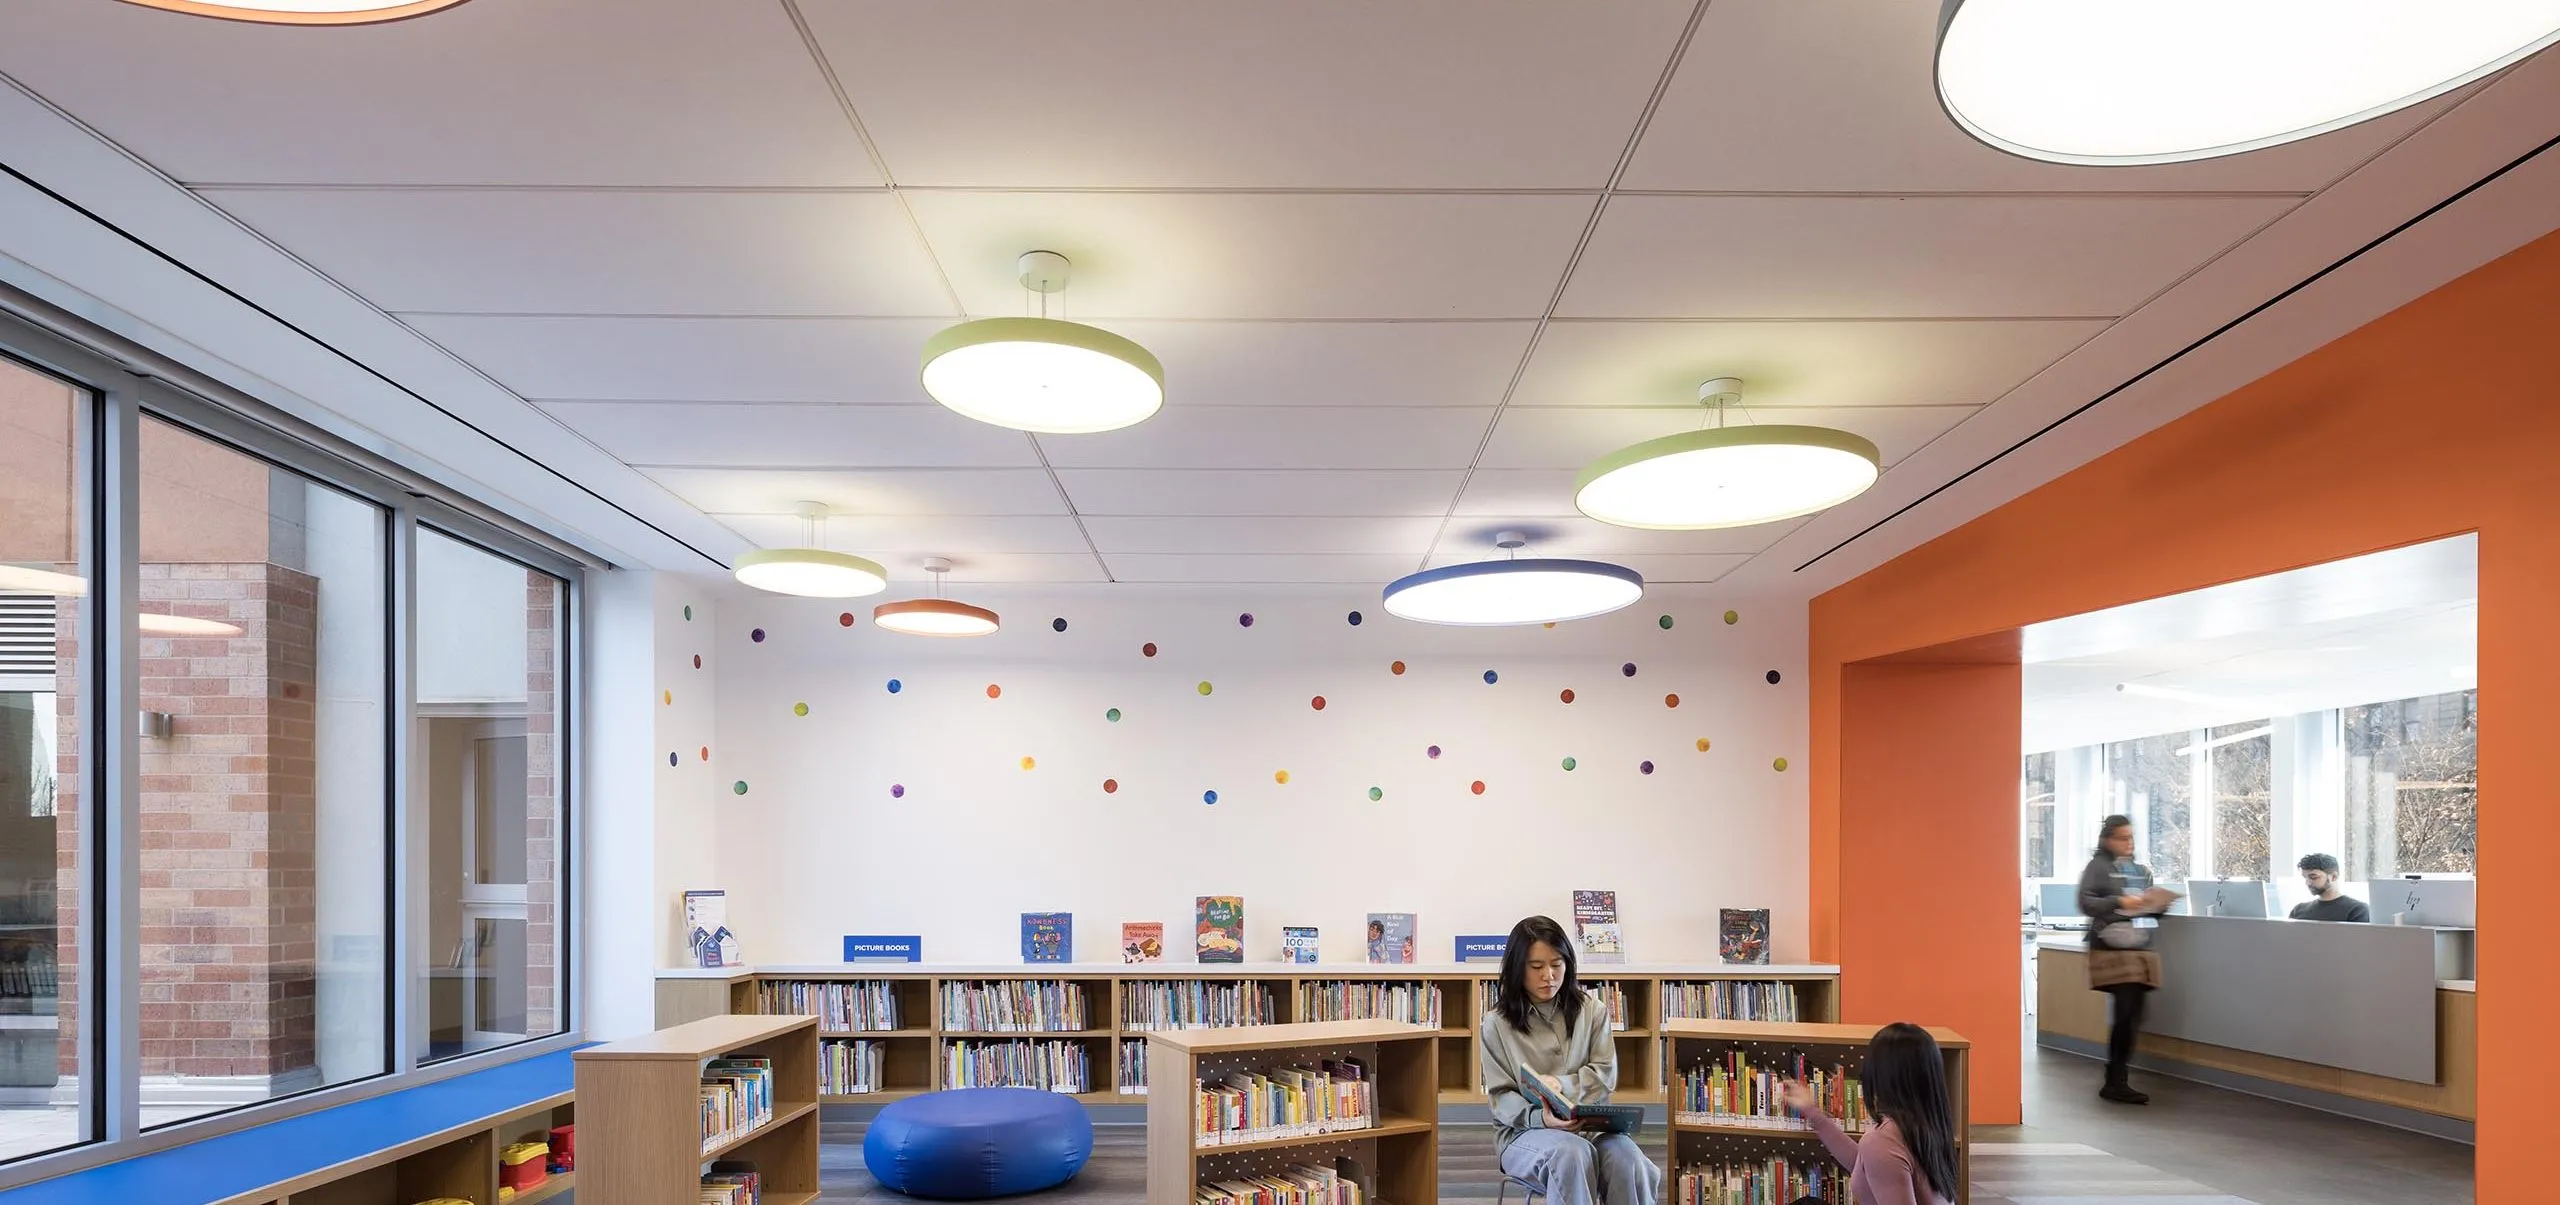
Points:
(2101, 883)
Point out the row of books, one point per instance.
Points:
(1132, 1069)
(732, 1182)
(1301, 1184)
(1195, 1004)
(1330, 1097)
(737, 1096)
(1612, 996)
(1730, 1000)
(1735, 1090)
(1771, 1181)
(1048, 1066)
(843, 1005)
(1013, 1005)
(1362, 1000)
(850, 1068)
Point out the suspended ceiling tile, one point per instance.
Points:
(1571, 439)
(868, 491)
(1268, 569)
(1658, 570)
(1352, 492)
(1239, 94)
(616, 92)
(1900, 257)
(1576, 536)
(702, 435)
(1793, 363)
(886, 538)
(1334, 363)
(1281, 437)
(1840, 96)
(1116, 535)
(1260, 255)
(1518, 493)
(589, 252)
(691, 359)
(910, 579)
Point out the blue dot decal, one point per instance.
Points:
(1058, 625)
(895, 686)
(1210, 797)
(1773, 677)
(671, 759)
(1491, 677)
(1355, 619)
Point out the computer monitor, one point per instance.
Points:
(2059, 906)
(2231, 897)
(2445, 903)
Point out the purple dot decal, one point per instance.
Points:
(1245, 620)
(1148, 649)
(756, 635)
(1773, 677)
(844, 619)
(897, 790)
(1355, 619)
(697, 661)
(1209, 797)
(671, 759)
(739, 787)
(1629, 669)
(1491, 677)
(1432, 752)
(1644, 767)
(1058, 624)
(895, 686)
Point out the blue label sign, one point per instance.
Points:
(1482, 949)
(866, 947)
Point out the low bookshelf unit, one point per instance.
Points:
(1304, 1100)
(1728, 1127)
(892, 1031)
(663, 1113)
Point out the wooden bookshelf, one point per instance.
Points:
(1687, 1043)
(912, 1052)
(641, 1143)
(1402, 1151)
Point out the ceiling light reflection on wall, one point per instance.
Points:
(811, 572)
(1725, 476)
(2122, 82)
(1514, 591)
(32, 579)
(303, 12)
(183, 625)
(1040, 374)
(936, 616)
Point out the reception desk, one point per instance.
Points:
(2372, 1013)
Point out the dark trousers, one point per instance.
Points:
(2124, 1019)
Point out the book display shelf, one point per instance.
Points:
(653, 1127)
(1727, 1124)
(1394, 1153)
(888, 1034)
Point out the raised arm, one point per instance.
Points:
(1834, 1139)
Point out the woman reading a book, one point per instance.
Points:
(1908, 1155)
(1545, 1028)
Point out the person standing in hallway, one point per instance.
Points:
(1908, 1157)
(1545, 1023)
(2117, 896)
(2327, 902)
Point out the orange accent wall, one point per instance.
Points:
(2438, 418)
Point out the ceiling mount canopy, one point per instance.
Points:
(1513, 591)
(303, 12)
(1726, 476)
(1041, 374)
(2123, 82)
(811, 572)
(936, 616)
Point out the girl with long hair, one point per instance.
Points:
(1546, 1023)
(1908, 1156)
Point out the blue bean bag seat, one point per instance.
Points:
(970, 1143)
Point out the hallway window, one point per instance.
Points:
(2412, 778)
(2153, 781)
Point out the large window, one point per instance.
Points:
(2152, 781)
(2243, 795)
(2035, 791)
(2412, 783)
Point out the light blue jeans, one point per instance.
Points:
(1608, 1170)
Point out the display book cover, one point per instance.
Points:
(1219, 933)
(1048, 936)
(706, 923)
(1142, 941)
(1298, 943)
(1595, 927)
(1742, 935)
(1391, 938)
(1611, 1119)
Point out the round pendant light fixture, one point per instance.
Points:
(1726, 476)
(2120, 82)
(303, 12)
(936, 616)
(1513, 591)
(1041, 374)
(811, 572)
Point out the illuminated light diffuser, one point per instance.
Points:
(1726, 476)
(1043, 375)
(1508, 592)
(938, 616)
(304, 12)
(811, 572)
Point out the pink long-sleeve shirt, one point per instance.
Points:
(1881, 1169)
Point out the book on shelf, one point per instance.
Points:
(1050, 1066)
(1607, 1118)
(1142, 941)
(732, 1182)
(737, 1096)
(1610, 994)
(1330, 1096)
(1743, 934)
(1048, 936)
(1195, 1003)
(1739, 1089)
(1344, 1182)
(1131, 1072)
(1298, 944)
(1391, 938)
(1730, 1000)
(1769, 1180)
(1013, 1005)
(838, 1004)
(1367, 1000)
(1219, 921)
(850, 1068)
(1595, 927)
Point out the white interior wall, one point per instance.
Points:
(817, 847)
(688, 832)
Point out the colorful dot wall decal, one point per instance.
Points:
(1566, 694)
(1112, 715)
(1111, 786)
(1779, 765)
(1355, 619)
(697, 661)
(1671, 700)
(1148, 649)
(897, 790)
(1733, 617)
(688, 612)
(1058, 624)
(667, 697)
(706, 753)
(1395, 667)
(1665, 621)
(799, 709)
(1702, 744)
(844, 619)
(1316, 702)
(1245, 620)
(994, 691)
(1206, 688)
(739, 787)
(1375, 794)
(895, 686)
(1281, 777)
(1491, 677)
(1477, 786)
(756, 635)
(1773, 677)
(1208, 796)
(1568, 763)
(1629, 669)
(1027, 764)
(1549, 625)
(1644, 767)
(671, 759)
(1432, 752)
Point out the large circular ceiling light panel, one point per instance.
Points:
(303, 12)
(2121, 82)
(1506, 593)
(1043, 375)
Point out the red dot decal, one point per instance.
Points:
(697, 661)
(1566, 694)
(706, 753)
(1111, 786)
(1395, 667)
(1477, 786)
(1671, 700)
(1148, 649)
(1317, 703)
(845, 620)
(994, 691)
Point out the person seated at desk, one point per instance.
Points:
(2320, 874)
(1546, 1023)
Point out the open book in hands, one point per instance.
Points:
(1605, 1119)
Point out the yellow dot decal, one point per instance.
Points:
(799, 709)
(1205, 688)
(1732, 617)
(1779, 765)
(1282, 778)
(667, 697)
(1027, 763)
(1702, 744)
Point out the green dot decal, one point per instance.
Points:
(739, 787)
(688, 612)
(1205, 688)
(1112, 715)
(1733, 617)
(1665, 621)
(799, 709)
(1375, 794)
(1779, 765)
(1568, 763)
